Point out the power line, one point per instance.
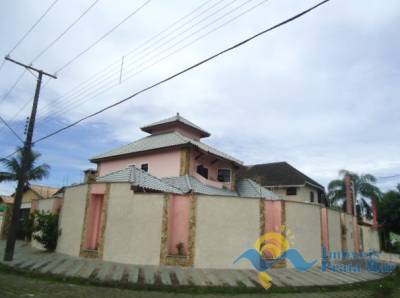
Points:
(11, 154)
(388, 177)
(84, 85)
(289, 20)
(11, 129)
(103, 36)
(113, 85)
(13, 86)
(33, 27)
(52, 43)
(75, 102)
(65, 31)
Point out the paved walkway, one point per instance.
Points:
(34, 260)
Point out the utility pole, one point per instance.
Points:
(22, 175)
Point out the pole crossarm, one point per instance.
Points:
(30, 67)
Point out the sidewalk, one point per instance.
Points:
(30, 259)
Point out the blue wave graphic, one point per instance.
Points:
(261, 265)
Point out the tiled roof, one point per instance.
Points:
(44, 192)
(159, 141)
(176, 118)
(277, 174)
(251, 189)
(190, 184)
(185, 184)
(140, 178)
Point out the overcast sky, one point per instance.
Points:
(320, 93)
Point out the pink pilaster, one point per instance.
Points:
(178, 224)
(93, 222)
(273, 216)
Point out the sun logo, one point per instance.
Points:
(270, 249)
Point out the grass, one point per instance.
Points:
(378, 288)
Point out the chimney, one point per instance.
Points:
(89, 176)
(349, 194)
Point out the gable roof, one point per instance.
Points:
(277, 174)
(159, 141)
(175, 119)
(44, 192)
(185, 184)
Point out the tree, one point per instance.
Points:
(364, 188)
(389, 214)
(46, 229)
(13, 166)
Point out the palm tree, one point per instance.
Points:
(13, 166)
(364, 188)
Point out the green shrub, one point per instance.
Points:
(27, 225)
(46, 229)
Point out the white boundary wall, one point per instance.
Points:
(133, 229)
(71, 220)
(225, 228)
(303, 221)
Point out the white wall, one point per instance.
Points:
(349, 232)
(133, 229)
(303, 221)
(71, 220)
(335, 240)
(225, 228)
(370, 239)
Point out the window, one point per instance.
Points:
(145, 167)
(224, 175)
(203, 171)
(291, 191)
(312, 197)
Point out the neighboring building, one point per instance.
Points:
(35, 197)
(286, 181)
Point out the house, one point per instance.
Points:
(173, 148)
(285, 181)
(35, 197)
(171, 199)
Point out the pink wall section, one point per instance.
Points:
(273, 216)
(206, 161)
(161, 164)
(98, 188)
(93, 222)
(325, 228)
(178, 223)
(184, 130)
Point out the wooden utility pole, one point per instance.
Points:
(22, 175)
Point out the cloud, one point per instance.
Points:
(320, 93)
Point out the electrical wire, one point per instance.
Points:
(85, 93)
(11, 129)
(84, 85)
(106, 88)
(289, 20)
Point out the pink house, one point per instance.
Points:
(174, 160)
(172, 149)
